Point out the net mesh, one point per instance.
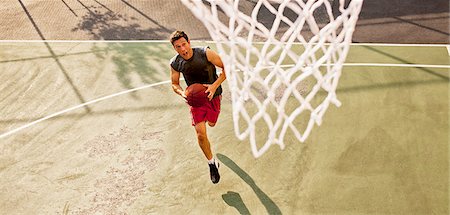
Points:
(283, 60)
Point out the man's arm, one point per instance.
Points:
(175, 76)
(215, 59)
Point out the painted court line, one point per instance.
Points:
(201, 41)
(398, 45)
(383, 65)
(84, 41)
(398, 65)
(79, 106)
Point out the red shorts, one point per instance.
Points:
(208, 112)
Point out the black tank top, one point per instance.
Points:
(197, 69)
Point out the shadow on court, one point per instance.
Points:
(106, 26)
(396, 8)
(146, 61)
(55, 58)
(235, 200)
(129, 59)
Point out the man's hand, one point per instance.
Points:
(211, 90)
(175, 76)
(183, 94)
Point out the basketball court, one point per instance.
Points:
(93, 127)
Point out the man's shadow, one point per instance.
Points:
(234, 199)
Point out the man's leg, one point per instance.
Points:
(213, 114)
(203, 141)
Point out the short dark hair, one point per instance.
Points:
(176, 35)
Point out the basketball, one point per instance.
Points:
(196, 95)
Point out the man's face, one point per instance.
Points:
(183, 48)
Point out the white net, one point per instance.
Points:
(283, 60)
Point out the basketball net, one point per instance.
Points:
(283, 60)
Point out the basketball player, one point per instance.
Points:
(198, 65)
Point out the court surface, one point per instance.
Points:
(95, 128)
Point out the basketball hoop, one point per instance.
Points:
(283, 60)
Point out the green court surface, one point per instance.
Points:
(384, 151)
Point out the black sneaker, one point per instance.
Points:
(214, 172)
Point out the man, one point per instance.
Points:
(198, 65)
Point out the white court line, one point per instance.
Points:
(84, 41)
(384, 65)
(357, 44)
(448, 50)
(79, 106)
(398, 65)
(169, 81)
(398, 45)
(201, 41)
